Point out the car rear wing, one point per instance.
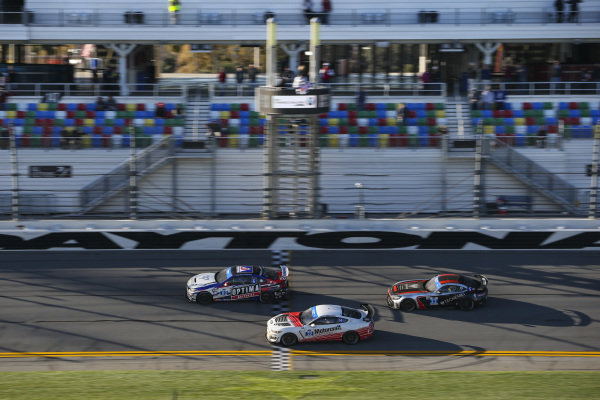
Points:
(370, 311)
(285, 272)
(484, 280)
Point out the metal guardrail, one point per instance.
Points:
(543, 88)
(137, 15)
(98, 89)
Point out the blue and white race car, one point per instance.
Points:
(239, 283)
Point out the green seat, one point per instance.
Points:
(540, 121)
(488, 121)
(402, 130)
(476, 114)
(254, 122)
(390, 106)
(254, 114)
(234, 129)
(353, 129)
(29, 121)
(343, 122)
(30, 114)
(432, 130)
(323, 140)
(529, 113)
(498, 121)
(52, 106)
(36, 141)
(413, 140)
(440, 106)
(351, 107)
(179, 121)
(548, 106)
(11, 107)
(373, 129)
(109, 122)
(80, 114)
(234, 107)
(586, 113)
(568, 132)
(363, 140)
(422, 121)
(27, 129)
(59, 122)
(584, 105)
(363, 114)
(430, 114)
(121, 114)
(510, 129)
(563, 113)
(372, 114)
(169, 122)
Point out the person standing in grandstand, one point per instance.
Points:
(239, 74)
(307, 8)
(326, 6)
(222, 81)
(326, 73)
(574, 10)
(559, 6)
(252, 72)
(361, 98)
(174, 7)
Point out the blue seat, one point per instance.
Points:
(71, 107)
(171, 107)
(423, 139)
(537, 106)
(563, 105)
(244, 130)
(148, 130)
(107, 130)
(32, 107)
(19, 122)
(394, 130)
(125, 140)
(323, 122)
(373, 122)
(91, 106)
(69, 122)
(532, 129)
(551, 121)
(333, 130)
(411, 121)
(38, 130)
(574, 113)
(244, 114)
(244, 121)
(159, 122)
(55, 141)
(381, 114)
(500, 130)
(487, 114)
(100, 114)
(139, 114)
(353, 140)
(88, 130)
(373, 139)
(518, 114)
(99, 121)
(423, 130)
(421, 114)
(380, 106)
(96, 140)
(509, 121)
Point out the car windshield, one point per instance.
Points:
(430, 285)
(306, 316)
(221, 276)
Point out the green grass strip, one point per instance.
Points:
(265, 385)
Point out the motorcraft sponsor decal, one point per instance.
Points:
(321, 331)
(271, 240)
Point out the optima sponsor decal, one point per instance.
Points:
(244, 292)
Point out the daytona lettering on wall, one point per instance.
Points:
(290, 240)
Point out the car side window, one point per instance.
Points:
(326, 321)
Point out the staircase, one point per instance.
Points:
(458, 114)
(108, 185)
(197, 115)
(531, 174)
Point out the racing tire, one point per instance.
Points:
(267, 297)
(466, 304)
(408, 305)
(350, 337)
(204, 298)
(289, 339)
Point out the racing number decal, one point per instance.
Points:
(433, 301)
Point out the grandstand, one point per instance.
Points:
(405, 166)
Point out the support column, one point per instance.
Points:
(123, 50)
(292, 50)
(488, 50)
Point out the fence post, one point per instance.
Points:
(478, 177)
(132, 175)
(594, 173)
(14, 174)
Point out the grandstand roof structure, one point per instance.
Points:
(351, 21)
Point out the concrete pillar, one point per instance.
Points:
(292, 50)
(488, 50)
(123, 50)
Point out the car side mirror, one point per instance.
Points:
(312, 325)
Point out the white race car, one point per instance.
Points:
(322, 323)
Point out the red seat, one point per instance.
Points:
(431, 122)
(508, 114)
(140, 107)
(120, 107)
(21, 114)
(429, 106)
(352, 114)
(90, 114)
(78, 122)
(381, 121)
(244, 107)
(81, 107)
(363, 130)
(234, 114)
(106, 140)
(49, 122)
(323, 116)
(343, 129)
(530, 121)
(434, 140)
(370, 106)
(352, 122)
(71, 114)
(323, 130)
(168, 130)
(552, 129)
(394, 140)
(573, 105)
(412, 114)
(573, 121)
(62, 107)
(118, 130)
(39, 122)
(25, 139)
(97, 130)
(498, 114)
(403, 141)
(342, 107)
(255, 131)
(224, 122)
(47, 138)
(47, 130)
(527, 106)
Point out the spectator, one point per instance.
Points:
(487, 99)
(174, 7)
(252, 72)
(475, 98)
(4, 138)
(307, 7)
(287, 77)
(3, 98)
(111, 103)
(76, 138)
(573, 10)
(11, 77)
(559, 6)
(555, 71)
(472, 73)
(326, 6)
(541, 137)
(222, 81)
(486, 74)
(499, 98)
(301, 79)
(326, 73)
(239, 74)
(161, 111)
(361, 98)
(100, 104)
(179, 110)
(401, 113)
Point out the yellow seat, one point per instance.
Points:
(225, 114)
(488, 129)
(519, 121)
(333, 121)
(332, 140)
(233, 140)
(130, 106)
(88, 122)
(42, 106)
(384, 140)
(149, 122)
(390, 121)
(86, 141)
(440, 113)
(11, 114)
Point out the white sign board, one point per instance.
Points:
(294, 101)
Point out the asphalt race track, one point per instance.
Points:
(126, 310)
